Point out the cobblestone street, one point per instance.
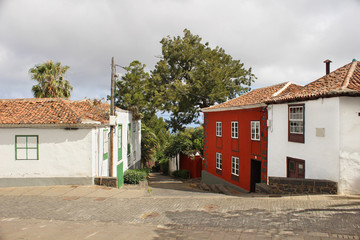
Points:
(172, 210)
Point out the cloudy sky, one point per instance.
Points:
(281, 40)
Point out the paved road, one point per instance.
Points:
(170, 209)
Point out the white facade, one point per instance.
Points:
(69, 155)
(327, 155)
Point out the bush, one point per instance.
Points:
(182, 173)
(134, 176)
(164, 165)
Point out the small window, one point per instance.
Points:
(219, 129)
(219, 161)
(295, 168)
(27, 147)
(105, 144)
(255, 130)
(234, 130)
(235, 166)
(296, 123)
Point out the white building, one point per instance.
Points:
(55, 141)
(314, 132)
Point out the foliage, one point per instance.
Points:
(191, 75)
(189, 142)
(182, 173)
(164, 165)
(51, 81)
(134, 176)
(149, 145)
(132, 92)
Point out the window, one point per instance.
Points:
(235, 166)
(218, 129)
(128, 139)
(27, 147)
(119, 142)
(295, 168)
(296, 123)
(255, 130)
(234, 130)
(105, 144)
(219, 161)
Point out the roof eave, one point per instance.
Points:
(61, 125)
(221, 109)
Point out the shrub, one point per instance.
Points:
(134, 176)
(164, 165)
(182, 173)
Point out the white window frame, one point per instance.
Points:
(219, 129)
(235, 166)
(219, 161)
(255, 130)
(235, 129)
(297, 118)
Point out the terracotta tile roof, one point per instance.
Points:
(51, 111)
(344, 81)
(255, 96)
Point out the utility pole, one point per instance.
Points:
(112, 113)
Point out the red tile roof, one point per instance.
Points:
(256, 96)
(51, 111)
(344, 81)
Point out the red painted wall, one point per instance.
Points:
(191, 164)
(243, 147)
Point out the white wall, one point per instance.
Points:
(349, 145)
(320, 153)
(62, 153)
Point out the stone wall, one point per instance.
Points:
(106, 181)
(279, 185)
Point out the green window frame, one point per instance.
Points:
(119, 142)
(105, 144)
(26, 147)
(129, 139)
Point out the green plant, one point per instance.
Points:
(134, 176)
(164, 165)
(182, 173)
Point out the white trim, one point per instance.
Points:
(257, 133)
(220, 135)
(237, 128)
(282, 89)
(221, 109)
(237, 165)
(220, 161)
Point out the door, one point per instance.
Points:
(255, 176)
(295, 168)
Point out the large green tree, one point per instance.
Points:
(51, 80)
(132, 91)
(191, 76)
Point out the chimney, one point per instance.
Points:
(327, 62)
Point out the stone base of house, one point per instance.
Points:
(106, 181)
(25, 182)
(280, 185)
(208, 178)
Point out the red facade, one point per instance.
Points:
(193, 164)
(252, 154)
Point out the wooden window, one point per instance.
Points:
(234, 130)
(219, 129)
(235, 166)
(255, 130)
(219, 161)
(105, 144)
(26, 147)
(296, 126)
(129, 139)
(295, 168)
(119, 142)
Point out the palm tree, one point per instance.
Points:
(51, 82)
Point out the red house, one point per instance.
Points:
(235, 141)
